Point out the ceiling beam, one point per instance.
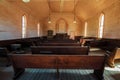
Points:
(61, 5)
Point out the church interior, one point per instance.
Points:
(59, 39)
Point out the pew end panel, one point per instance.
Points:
(112, 56)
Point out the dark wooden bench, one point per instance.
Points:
(4, 54)
(59, 44)
(22, 61)
(60, 41)
(75, 50)
(112, 56)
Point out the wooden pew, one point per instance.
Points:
(22, 61)
(58, 44)
(60, 41)
(112, 56)
(77, 50)
(4, 54)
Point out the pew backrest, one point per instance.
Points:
(59, 44)
(58, 61)
(61, 50)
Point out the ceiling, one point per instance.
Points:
(84, 9)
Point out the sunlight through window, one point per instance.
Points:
(24, 25)
(85, 29)
(38, 29)
(101, 25)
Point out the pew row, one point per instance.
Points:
(61, 50)
(22, 61)
(58, 44)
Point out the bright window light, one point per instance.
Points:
(24, 25)
(85, 29)
(38, 29)
(26, 1)
(101, 25)
(72, 35)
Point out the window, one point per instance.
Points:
(85, 29)
(38, 29)
(24, 26)
(101, 25)
(72, 35)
